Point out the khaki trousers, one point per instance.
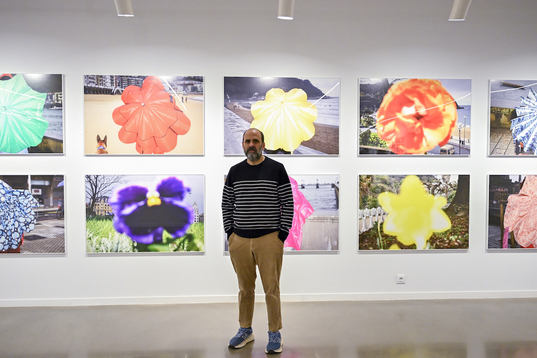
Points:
(267, 253)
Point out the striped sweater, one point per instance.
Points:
(257, 200)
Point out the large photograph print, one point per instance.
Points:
(513, 118)
(316, 214)
(409, 212)
(129, 115)
(144, 213)
(512, 212)
(32, 214)
(296, 115)
(415, 116)
(31, 113)
(316, 220)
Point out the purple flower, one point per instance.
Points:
(144, 214)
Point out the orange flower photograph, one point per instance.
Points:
(415, 116)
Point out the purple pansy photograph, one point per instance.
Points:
(144, 213)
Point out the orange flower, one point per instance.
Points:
(416, 115)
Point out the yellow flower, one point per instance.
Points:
(286, 119)
(413, 214)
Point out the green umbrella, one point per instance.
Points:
(21, 115)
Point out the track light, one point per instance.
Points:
(286, 9)
(124, 8)
(459, 10)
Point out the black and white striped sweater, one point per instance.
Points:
(257, 200)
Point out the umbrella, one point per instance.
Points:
(524, 127)
(303, 210)
(150, 118)
(16, 216)
(416, 115)
(21, 115)
(521, 213)
(413, 214)
(286, 119)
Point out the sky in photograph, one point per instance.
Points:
(460, 89)
(194, 182)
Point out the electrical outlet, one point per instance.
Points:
(400, 278)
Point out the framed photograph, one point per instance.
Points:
(31, 113)
(512, 212)
(32, 211)
(415, 116)
(297, 116)
(145, 213)
(129, 115)
(513, 118)
(316, 220)
(413, 212)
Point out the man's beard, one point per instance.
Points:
(254, 155)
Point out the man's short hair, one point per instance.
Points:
(262, 135)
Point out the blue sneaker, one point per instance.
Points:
(275, 344)
(242, 338)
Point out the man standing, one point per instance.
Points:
(257, 208)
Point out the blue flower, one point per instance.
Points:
(144, 214)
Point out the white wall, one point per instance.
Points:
(338, 38)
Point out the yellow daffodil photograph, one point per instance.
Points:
(424, 212)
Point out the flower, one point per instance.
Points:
(144, 214)
(413, 214)
(416, 115)
(521, 213)
(303, 210)
(286, 119)
(150, 118)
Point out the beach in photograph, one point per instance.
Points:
(98, 121)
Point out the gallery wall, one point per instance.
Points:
(337, 39)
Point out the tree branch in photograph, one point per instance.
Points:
(98, 186)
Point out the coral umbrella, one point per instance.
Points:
(150, 118)
(303, 210)
(21, 115)
(285, 118)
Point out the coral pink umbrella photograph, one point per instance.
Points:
(129, 115)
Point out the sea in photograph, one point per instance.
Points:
(323, 199)
(508, 94)
(327, 110)
(462, 113)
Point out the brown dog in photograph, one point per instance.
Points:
(101, 145)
